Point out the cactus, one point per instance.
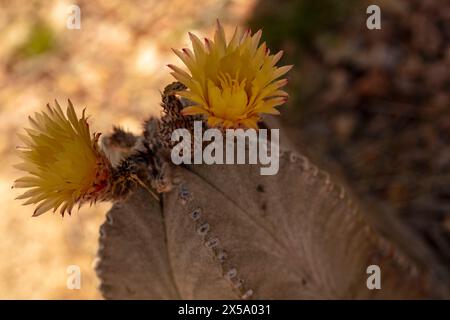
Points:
(226, 232)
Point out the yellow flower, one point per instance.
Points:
(63, 162)
(232, 83)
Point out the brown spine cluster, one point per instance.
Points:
(145, 162)
(172, 118)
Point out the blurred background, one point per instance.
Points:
(373, 106)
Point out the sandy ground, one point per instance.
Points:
(115, 66)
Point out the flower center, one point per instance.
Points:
(228, 98)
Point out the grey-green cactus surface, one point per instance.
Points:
(226, 232)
